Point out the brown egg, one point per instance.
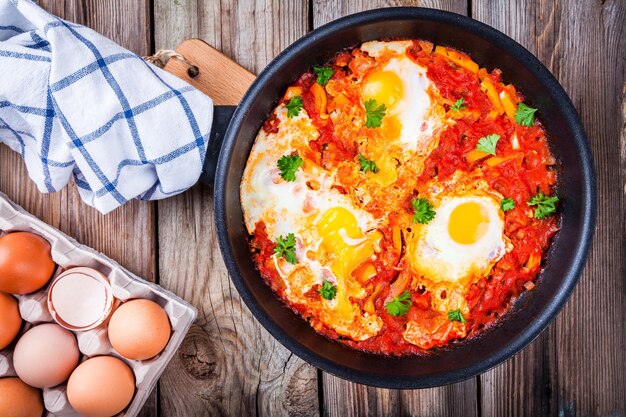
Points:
(139, 329)
(19, 400)
(101, 387)
(10, 319)
(26, 264)
(46, 355)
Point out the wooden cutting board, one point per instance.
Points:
(210, 71)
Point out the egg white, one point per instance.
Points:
(376, 48)
(284, 205)
(419, 115)
(416, 109)
(434, 254)
(295, 207)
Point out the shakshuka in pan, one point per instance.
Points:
(400, 197)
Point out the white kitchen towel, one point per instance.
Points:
(73, 102)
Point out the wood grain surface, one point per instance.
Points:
(577, 366)
(128, 233)
(229, 365)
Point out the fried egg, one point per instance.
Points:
(333, 235)
(456, 248)
(402, 85)
(465, 238)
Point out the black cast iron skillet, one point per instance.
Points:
(531, 313)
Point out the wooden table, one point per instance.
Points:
(229, 365)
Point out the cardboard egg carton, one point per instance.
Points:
(66, 252)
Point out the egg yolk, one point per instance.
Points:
(468, 223)
(383, 86)
(387, 172)
(342, 236)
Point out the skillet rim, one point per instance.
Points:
(587, 202)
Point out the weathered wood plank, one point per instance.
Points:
(326, 10)
(127, 234)
(228, 365)
(524, 384)
(576, 367)
(343, 398)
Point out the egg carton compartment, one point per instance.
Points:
(67, 253)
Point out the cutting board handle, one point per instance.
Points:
(219, 77)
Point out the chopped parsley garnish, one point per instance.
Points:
(424, 211)
(288, 165)
(525, 115)
(488, 144)
(286, 247)
(507, 204)
(328, 290)
(367, 165)
(456, 315)
(323, 74)
(399, 306)
(374, 113)
(294, 106)
(458, 105)
(545, 205)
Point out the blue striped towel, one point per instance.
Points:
(73, 102)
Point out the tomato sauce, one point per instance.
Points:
(526, 169)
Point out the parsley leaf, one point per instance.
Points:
(545, 205)
(399, 306)
(288, 165)
(374, 114)
(525, 115)
(424, 211)
(458, 105)
(294, 106)
(456, 315)
(488, 144)
(507, 204)
(328, 290)
(286, 247)
(323, 74)
(367, 165)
